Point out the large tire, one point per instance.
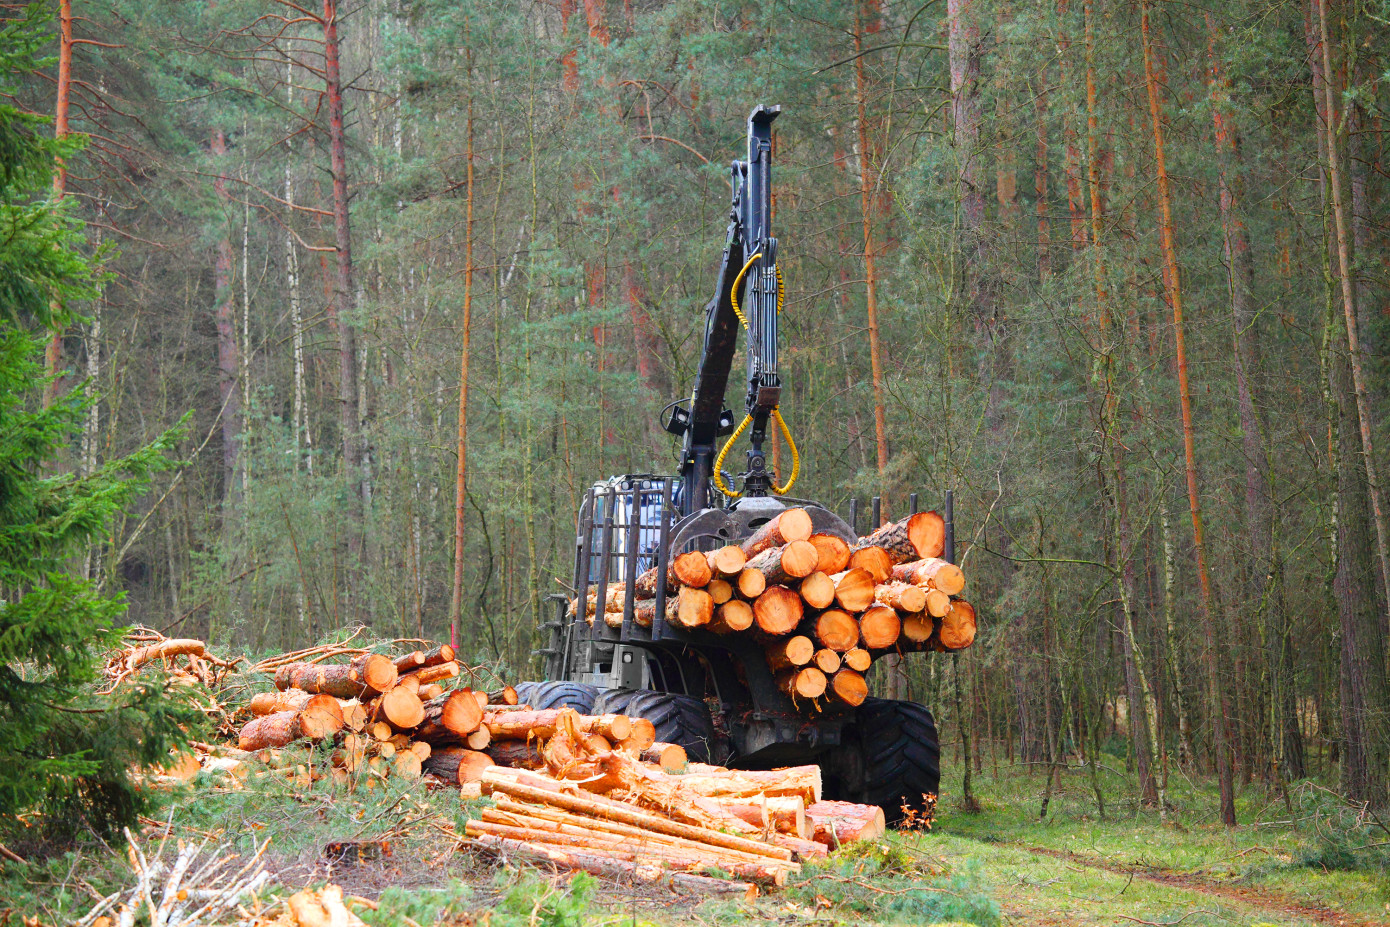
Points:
(542, 695)
(678, 719)
(899, 757)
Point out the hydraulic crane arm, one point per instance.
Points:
(746, 295)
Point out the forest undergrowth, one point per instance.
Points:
(1313, 859)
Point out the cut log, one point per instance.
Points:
(450, 717)
(517, 754)
(958, 625)
(617, 869)
(275, 730)
(777, 611)
(320, 717)
(687, 569)
(832, 552)
(879, 628)
(858, 659)
(409, 682)
(720, 590)
(788, 525)
(904, 597)
(163, 650)
(826, 660)
(433, 690)
(694, 608)
(643, 736)
(916, 537)
(787, 815)
(817, 590)
(838, 630)
(441, 654)
(457, 765)
(748, 810)
(786, 564)
(479, 739)
(614, 727)
(614, 595)
(401, 708)
(917, 628)
(535, 789)
(350, 753)
(643, 613)
(354, 714)
(517, 723)
(715, 782)
(938, 603)
(731, 617)
(268, 703)
(726, 562)
(849, 686)
(670, 757)
(421, 749)
(835, 823)
(367, 674)
(380, 730)
(503, 696)
(406, 765)
(854, 589)
(410, 661)
(873, 559)
(807, 682)
(751, 584)
(435, 673)
(934, 573)
(790, 653)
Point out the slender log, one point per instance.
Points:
(854, 589)
(807, 682)
(726, 562)
(901, 596)
(694, 608)
(826, 660)
(409, 682)
(531, 788)
(614, 727)
(450, 717)
(832, 552)
(817, 590)
(789, 653)
(720, 590)
(777, 611)
(479, 739)
(407, 765)
(731, 617)
(432, 690)
(933, 573)
(914, 538)
(879, 628)
(835, 823)
(517, 754)
(918, 628)
(786, 564)
(457, 765)
(163, 650)
(788, 525)
(642, 737)
(837, 630)
(410, 661)
(441, 654)
(401, 708)
(873, 559)
(687, 569)
(938, 603)
(268, 703)
(849, 686)
(716, 782)
(503, 696)
(275, 730)
(367, 674)
(751, 584)
(430, 674)
(320, 717)
(858, 659)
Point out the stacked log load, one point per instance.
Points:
(823, 609)
(592, 792)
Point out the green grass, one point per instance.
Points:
(984, 869)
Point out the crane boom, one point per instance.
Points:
(754, 284)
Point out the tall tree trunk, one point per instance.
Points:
(53, 352)
(867, 20)
(1217, 702)
(1040, 166)
(1342, 223)
(228, 363)
(460, 480)
(344, 290)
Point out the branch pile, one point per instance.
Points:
(823, 609)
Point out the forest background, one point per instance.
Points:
(1114, 272)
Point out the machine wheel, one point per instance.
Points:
(542, 695)
(678, 719)
(899, 756)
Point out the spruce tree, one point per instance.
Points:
(66, 750)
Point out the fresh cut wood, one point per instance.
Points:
(367, 674)
(858, 659)
(835, 823)
(848, 686)
(670, 757)
(832, 552)
(806, 682)
(958, 625)
(714, 782)
(875, 560)
(694, 608)
(787, 525)
(915, 537)
(879, 628)
(275, 730)
(790, 652)
(836, 630)
(688, 569)
(777, 611)
(826, 660)
(401, 708)
(854, 589)
(731, 617)
(786, 564)
(904, 597)
(727, 561)
(457, 765)
(750, 583)
(817, 590)
(934, 572)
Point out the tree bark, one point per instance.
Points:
(1217, 702)
(461, 472)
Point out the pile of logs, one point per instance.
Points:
(822, 609)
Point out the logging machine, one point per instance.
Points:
(715, 694)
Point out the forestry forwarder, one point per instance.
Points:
(715, 694)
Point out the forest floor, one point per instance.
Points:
(1310, 861)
